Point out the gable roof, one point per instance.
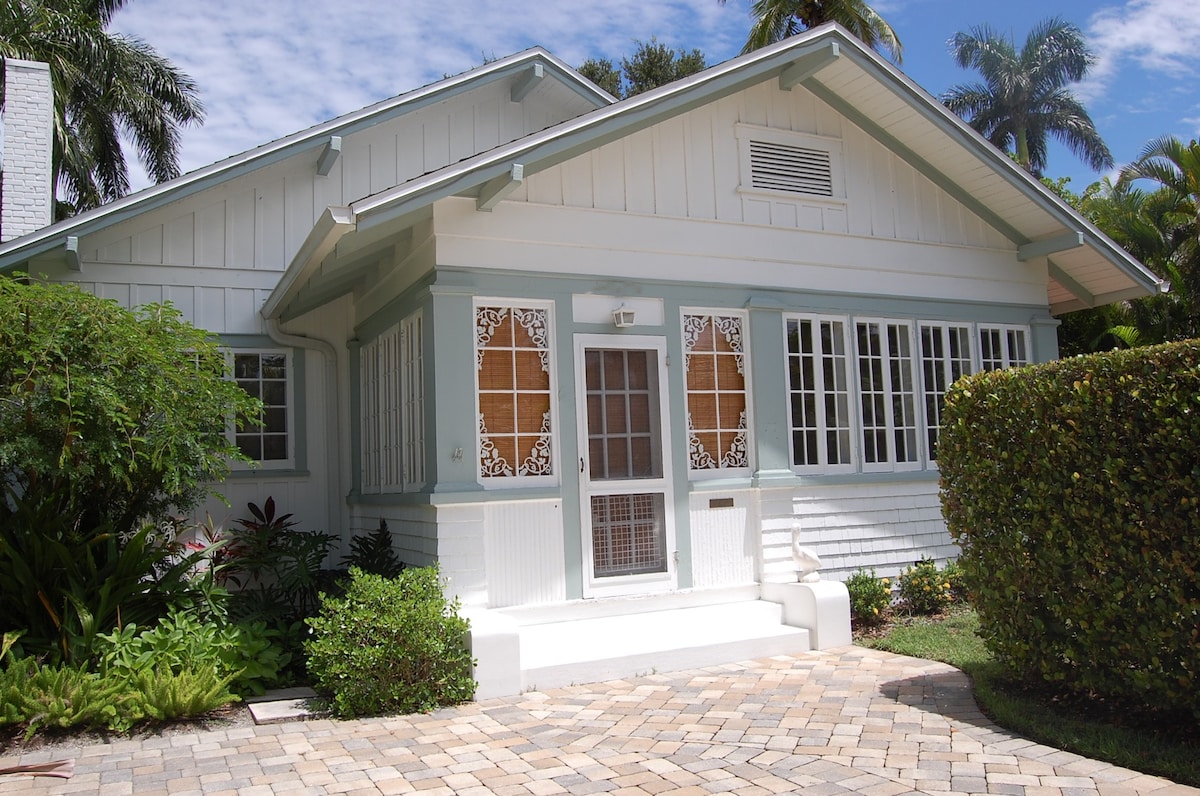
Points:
(1086, 267)
(523, 69)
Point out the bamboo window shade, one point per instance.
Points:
(716, 392)
(514, 392)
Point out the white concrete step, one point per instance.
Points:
(599, 648)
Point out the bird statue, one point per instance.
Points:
(807, 562)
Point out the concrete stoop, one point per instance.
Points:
(585, 641)
(613, 647)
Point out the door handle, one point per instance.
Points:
(581, 464)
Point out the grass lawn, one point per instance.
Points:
(1127, 736)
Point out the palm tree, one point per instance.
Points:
(105, 86)
(775, 20)
(1024, 96)
(1175, 167)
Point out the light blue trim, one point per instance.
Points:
(354, 368)
(1044, 339)
(450, 326)
(769, 391)
(734, 296)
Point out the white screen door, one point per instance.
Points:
(627, 517)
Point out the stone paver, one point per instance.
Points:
(850, 720)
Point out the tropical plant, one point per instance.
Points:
(105, 85)
(775, 20)
(1024, 97)
(276, 569)
(66, 584)
(1175, 167)
(373, 553)
(652, 65)
(242, 654)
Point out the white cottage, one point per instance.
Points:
(598, 359)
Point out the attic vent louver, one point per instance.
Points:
(786, 167)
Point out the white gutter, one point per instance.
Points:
(333, 415)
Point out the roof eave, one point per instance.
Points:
(16, 252)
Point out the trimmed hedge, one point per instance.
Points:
(1072, 489)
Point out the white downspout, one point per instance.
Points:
(333, 414)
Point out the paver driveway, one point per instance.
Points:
(850, 720)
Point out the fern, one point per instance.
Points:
(164, 695)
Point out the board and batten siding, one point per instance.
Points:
(689, 167)
(259, 220)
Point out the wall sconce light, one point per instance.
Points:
(622, 318)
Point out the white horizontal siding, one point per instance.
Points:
(885, 526)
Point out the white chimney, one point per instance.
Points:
(26, 195)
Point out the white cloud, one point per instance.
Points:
(266, 70)
(1159, 36)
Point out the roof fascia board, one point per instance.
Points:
(324, 288)
(1077, 290)
(22, 249)
(940, 116)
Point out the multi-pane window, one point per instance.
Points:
(392, 409)
(264, 375)
(819, 387)
(512, 350)
(945, 356)
(1002, 347)
(715, 364)
(866, 394)
(887, 394)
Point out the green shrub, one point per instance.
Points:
(1072, 491)
(923, 589)
(243, 655)
(110, 420)
(953, 574)
(870, 597)
(390, 646)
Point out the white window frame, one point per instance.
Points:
(945, 369)
(847, 356)
(831, 145)
(521, 481)
(288, 463)
(699, 474)
(889, 392)
(1007, 357)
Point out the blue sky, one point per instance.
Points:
(268, 69)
